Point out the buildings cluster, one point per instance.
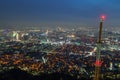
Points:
(71, 52)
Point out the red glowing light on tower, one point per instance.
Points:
(98, 63)
(102, 17)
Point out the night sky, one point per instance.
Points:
(59, 12)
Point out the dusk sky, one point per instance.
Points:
(71, 12)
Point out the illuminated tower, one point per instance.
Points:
(111, 66)
(16, 36)
(97, 62)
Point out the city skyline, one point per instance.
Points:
(59, 12)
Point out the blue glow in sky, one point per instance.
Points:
(59, 11)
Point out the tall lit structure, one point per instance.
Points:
(16, 36)
(97, 62)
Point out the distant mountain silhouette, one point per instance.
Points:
(17, 74)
